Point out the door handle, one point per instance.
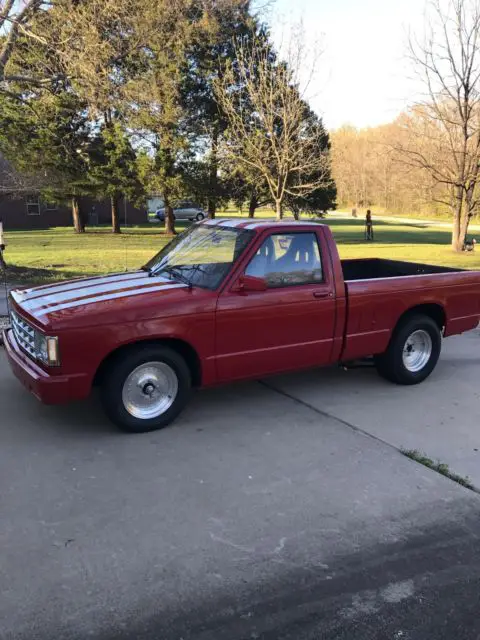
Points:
(322, 294)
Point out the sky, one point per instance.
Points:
(364, 77)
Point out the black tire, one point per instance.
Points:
(117, 373)
(391, 365)
(199, 217)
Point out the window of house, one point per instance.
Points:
(33, 206)
(51, 206)
(288, 259)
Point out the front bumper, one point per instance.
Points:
(48, 389)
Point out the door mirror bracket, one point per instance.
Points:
(249, 283)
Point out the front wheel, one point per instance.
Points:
(199, 217)
(413, 351)
(146, 388)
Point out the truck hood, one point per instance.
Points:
(92, 298)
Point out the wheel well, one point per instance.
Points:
(434, 311)
(180, 346)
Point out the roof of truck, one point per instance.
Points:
(238, 223)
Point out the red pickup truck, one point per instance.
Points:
(229, 300)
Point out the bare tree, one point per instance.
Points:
(15, 21)
(14, 184)
(444, 130)
(272, 130)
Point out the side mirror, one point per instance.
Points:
(250, 283)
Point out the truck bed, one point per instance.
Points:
(379, 292)
(375, 268)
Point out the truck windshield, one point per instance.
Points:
(201, 256)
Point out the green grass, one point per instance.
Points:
(412, 242)
(443, 216)
(53, 254)
(439, 467)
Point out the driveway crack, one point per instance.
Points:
(353, 427)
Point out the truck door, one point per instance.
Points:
(289, 325)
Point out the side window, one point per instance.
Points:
(287, 259)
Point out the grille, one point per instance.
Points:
(24, 334)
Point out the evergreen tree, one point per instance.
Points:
(45, 134)
(209, 54)
(114, 168)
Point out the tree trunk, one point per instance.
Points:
(457, 219)
(462, 236)
(78, 220)
(279, 209)
(296, 214)
(169, 217)
(213, 175)
(252, 205)
(469, 197)
(115, 214)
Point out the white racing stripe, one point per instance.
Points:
(89, 291)
(230, 223)
(216, 221)
(225, 222)
(258, 225)
(107, 298)
(36, 292)
(45, 287)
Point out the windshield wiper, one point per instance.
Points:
(147, 269)
(176, 272)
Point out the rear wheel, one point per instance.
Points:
(146, 388)
(413, 351)
(199, 217)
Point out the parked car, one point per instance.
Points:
(183, 211)
(229, 300)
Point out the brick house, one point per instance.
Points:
(22, 208)
(29, 212)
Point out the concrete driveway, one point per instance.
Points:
(255, 516)
(440, 417)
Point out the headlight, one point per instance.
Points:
(46, 349)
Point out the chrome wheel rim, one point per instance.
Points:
(150, 390)
(417, 351)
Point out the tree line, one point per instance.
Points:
(371, 171)
(429, 158)
(182, 98)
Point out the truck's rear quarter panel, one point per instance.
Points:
(375, 307)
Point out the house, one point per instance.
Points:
(22, 208)
(29, 212)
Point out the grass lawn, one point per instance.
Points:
(54, 254)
